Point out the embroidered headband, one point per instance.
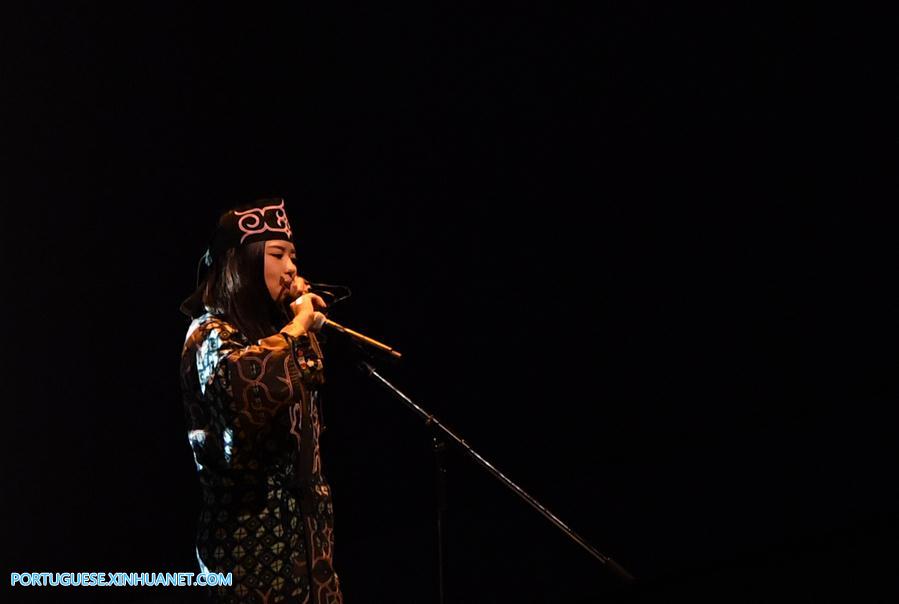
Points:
(263, 220)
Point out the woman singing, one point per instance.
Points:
(250, 370)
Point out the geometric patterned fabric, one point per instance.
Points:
(253, 416)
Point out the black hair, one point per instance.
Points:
(234, 288)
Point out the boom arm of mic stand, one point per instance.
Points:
(430, 420)
(363, 338)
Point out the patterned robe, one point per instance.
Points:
(253, 414)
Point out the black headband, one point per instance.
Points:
(263, 220)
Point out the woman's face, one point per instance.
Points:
(280, 268)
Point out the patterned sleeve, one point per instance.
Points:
(247, 385)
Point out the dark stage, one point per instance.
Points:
(613, 246)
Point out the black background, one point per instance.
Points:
(628, 253)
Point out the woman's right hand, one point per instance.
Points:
(305, 313)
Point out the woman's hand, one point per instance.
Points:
(298, 287)
(305, 306)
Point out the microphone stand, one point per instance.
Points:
(362, 338)
(439, 447)
(440, 483)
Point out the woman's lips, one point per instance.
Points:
(285, 288)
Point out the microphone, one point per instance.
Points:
(321, 321)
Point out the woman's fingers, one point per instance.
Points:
(307, 304)
(299, 287)
(314, 299)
